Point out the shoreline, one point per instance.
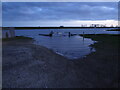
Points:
(34, 66)
(18, 28)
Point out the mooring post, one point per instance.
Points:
(51, 33)
(83, 36)
(83, 33)
(69, 34)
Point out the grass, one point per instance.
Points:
(113, 30)
(17, 38)
(104, 39)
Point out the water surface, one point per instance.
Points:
(71, 47)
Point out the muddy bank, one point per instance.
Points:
(100, 69)
(26, 65)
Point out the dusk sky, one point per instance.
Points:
(59, 13)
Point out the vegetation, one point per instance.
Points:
(104, 39)
(16, 38)
(113, 30)
(60, 27)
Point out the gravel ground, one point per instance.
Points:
(26, 65)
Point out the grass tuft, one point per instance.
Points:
(16, 38)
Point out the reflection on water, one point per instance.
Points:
(71, 47)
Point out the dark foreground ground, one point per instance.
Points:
(26, 65)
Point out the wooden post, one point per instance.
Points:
(69, 34)
(51, 34)
(83, 36)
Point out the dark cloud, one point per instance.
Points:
(31, 11)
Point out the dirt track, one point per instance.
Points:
(26, 65)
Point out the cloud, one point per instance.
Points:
(61, 23)
(59, 11)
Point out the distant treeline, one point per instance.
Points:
(54, 27)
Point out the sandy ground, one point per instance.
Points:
(26, 65)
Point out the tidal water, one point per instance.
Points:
(71, 47)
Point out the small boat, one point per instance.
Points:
(45, 35)
(50, 34)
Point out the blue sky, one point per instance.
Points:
(59, 13)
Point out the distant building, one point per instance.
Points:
(111, 26)
(95, 25)
(61, 26)
(8, 32)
